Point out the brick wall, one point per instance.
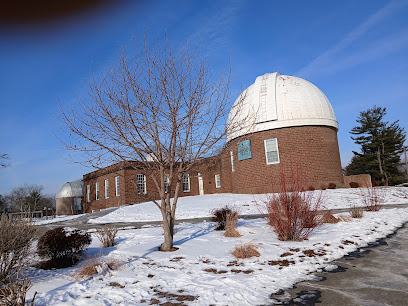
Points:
(363, 180)
(311, 151)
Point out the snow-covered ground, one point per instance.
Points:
(201, 206)
(49, 220)
(203, 271)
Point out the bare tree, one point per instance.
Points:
(27, 198)
(163, 107)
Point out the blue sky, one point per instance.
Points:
(356, 52)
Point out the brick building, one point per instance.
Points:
(288, 124)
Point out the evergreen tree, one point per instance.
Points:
(381, 145)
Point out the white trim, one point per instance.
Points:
(117, 186)
(232, 161)
(186, 175)
(97, 190)
(88, 193)
(166, 183)
(217, 181)
(138, 181)
(106, 188)
(274, 143)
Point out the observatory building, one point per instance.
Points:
(287, 125)
(69, 198)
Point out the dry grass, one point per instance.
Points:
(344, 218)
(356, 211)
(220, 216)
(329, 218)
(231, 226)
(107, 235)
(245, 251)
(91, 268)
(95, 266)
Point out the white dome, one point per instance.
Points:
(70, 189)
(276, 101)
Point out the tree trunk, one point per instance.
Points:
(380, 167)
(167, 245)
(168, 228)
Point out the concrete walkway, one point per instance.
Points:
(374, 275)
(82, 222)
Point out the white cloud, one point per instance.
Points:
(214, 30)
(333, 59)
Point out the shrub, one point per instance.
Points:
(14, 292)
(372, 198)
(220, 216)
(62, 248)
(107, 235)
(311, 188)
(293, 215)
(245, 251)
(16, 238)
(323, 187)
(231, 226)
(356, 211)
(354, 185)
(332, 186)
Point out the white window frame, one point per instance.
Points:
(117, 187)
(166, 183)
(217, 181)
(266, 151)
(141, 179)
(88, 193)
(186, 182)
(232, 161)
(97, 190)
(106, 188)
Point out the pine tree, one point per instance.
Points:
(381, 145)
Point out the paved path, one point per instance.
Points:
(82, 222)
(376, 275)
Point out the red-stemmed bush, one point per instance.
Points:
(293, 214)
(372, 198)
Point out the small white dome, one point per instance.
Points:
(70, 190)
(276, 101)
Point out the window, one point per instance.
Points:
(141, 183)
(166, 183)
(106, 189)
(217, 181)
(232, 161)
(244, 150)
(97, 190)
(88, 193)
(186, 182)
(271, 151)
(117, 190)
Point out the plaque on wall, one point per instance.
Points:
(244, 150)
